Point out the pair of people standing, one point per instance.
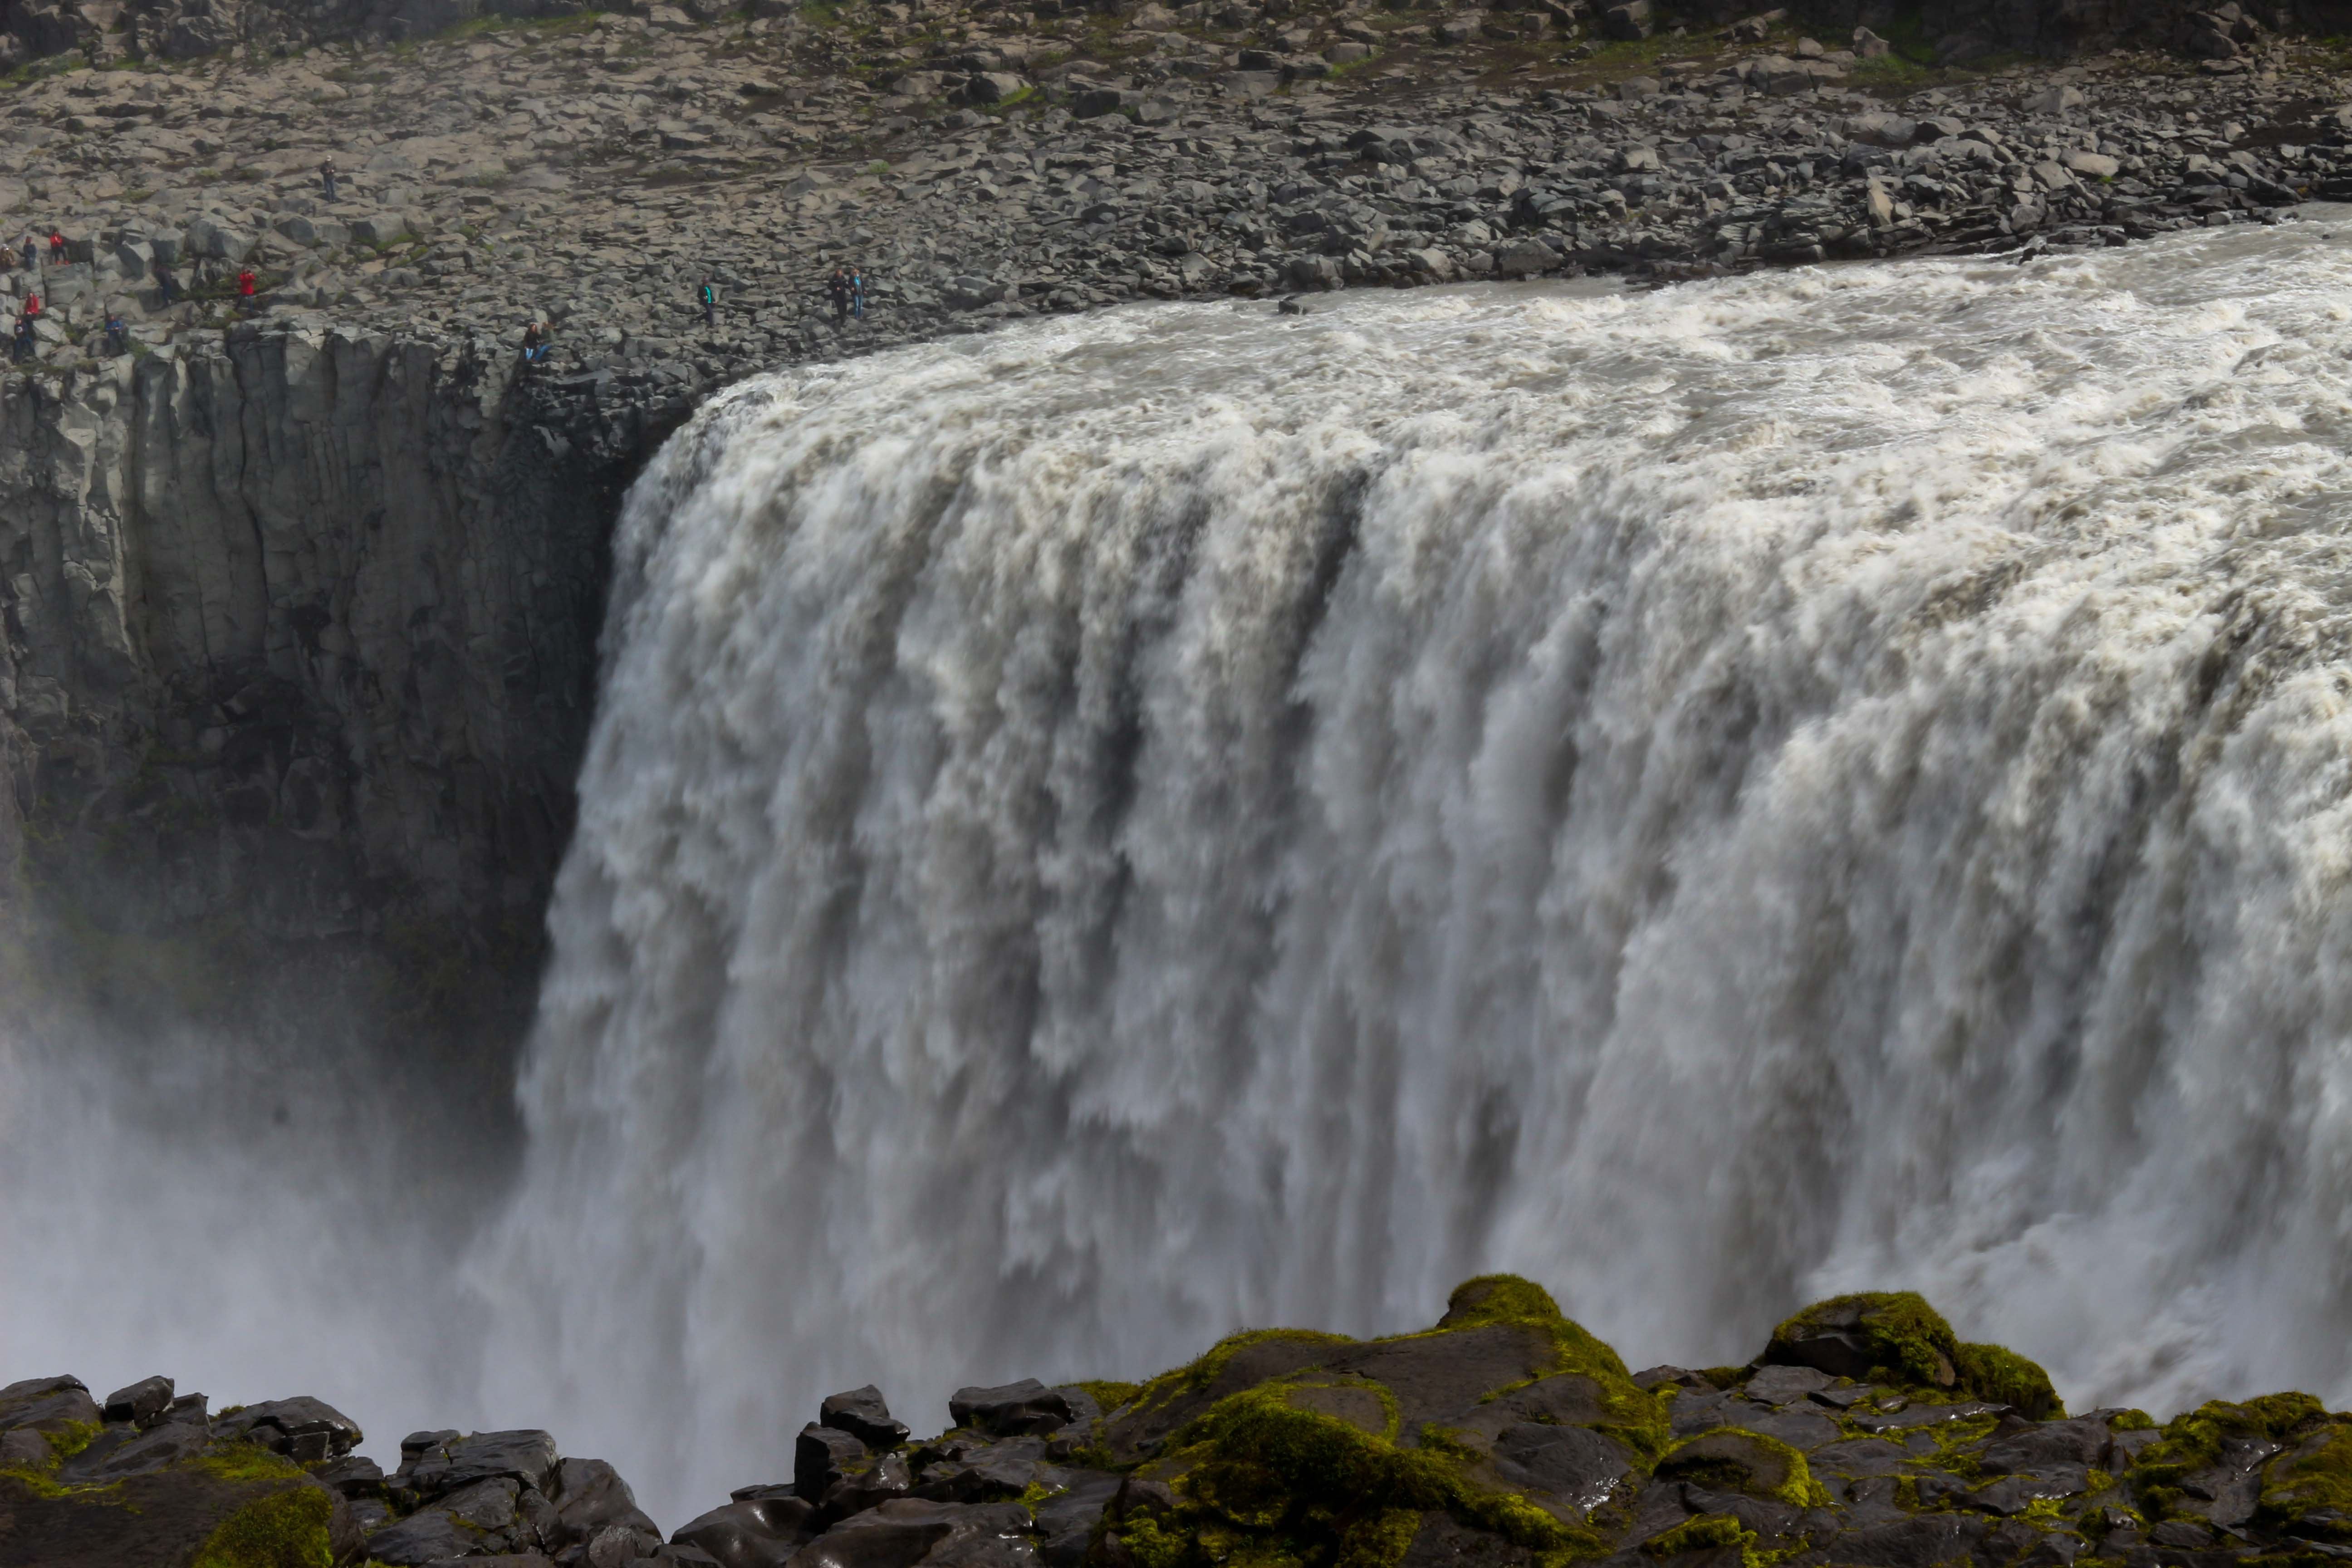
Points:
(847, 288)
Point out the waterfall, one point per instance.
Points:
(1127, 827)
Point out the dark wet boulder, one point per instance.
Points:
(888, 1478)
(1575, 1465)
(902, 1533)
(961, 1471)
(1066, 1521)
(354, 1476)
(443, 1463)
(757, 1532)
(123, 1451)
(823, 1458)
(305, 1430)
(590, 1496)
(1785, 1384)
(143, 1404)
(1437, 1375)
(47, 1404)
(2023, 1447)
(429, 1536)
(1015, 1409)
(862, 1413)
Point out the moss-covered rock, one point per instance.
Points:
(1896, 1337)
(2307, 1491)
(1882, 1335)
(2000, 1375)
(1731, 1460)
(1260, 1479)
(2200, 1440)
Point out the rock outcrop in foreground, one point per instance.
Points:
(1866, 1432)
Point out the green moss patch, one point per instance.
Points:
(244, 1461)
(285, 1530)
(1198, 1376)
(1707, 1532)
(1108, 1394)
(2002, 1376)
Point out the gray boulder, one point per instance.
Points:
(822, 1457)
(862, 1413)
(143, 1404)
(1027, 1406)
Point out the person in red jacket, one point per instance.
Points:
(32, 308)
(56, 247)
(246, 284)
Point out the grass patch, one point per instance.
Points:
(1108, 1394)
(245, 1462)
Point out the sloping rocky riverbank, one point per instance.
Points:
(1865, 1433)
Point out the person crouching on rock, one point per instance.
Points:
(531, 344)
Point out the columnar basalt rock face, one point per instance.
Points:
(301, 632)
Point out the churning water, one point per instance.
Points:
(1131, 826)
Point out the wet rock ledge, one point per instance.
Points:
(1865, 1432)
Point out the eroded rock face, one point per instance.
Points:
(300, 632)
(1504, 1436)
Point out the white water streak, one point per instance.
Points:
(1123, 829)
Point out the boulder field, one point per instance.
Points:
(1865, 1432)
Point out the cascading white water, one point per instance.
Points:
(1132, 826)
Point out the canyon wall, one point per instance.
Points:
(301, 640)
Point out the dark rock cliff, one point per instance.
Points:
(300, 644)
